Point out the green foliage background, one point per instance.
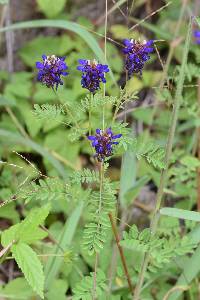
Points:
(49, 186)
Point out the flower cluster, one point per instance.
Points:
(103, 142)
(93, 74)
(51, 70)
(137, 54)
(196, 34)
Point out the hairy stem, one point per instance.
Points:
(121, 252)
(168, 150)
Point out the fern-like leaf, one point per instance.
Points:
(152, 152)
(48, 111)
(85, 176)
(95, 232)
(85, 289)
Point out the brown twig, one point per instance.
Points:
(121, 252)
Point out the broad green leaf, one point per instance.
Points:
(180, 213)
(58, 290)
(190, 271)
(9, 235)
(36, 234)
(5, 101)
(51, 8)
(30, 265)
(27, 231)
(32, 51)
(9, 212)
(30, 223)
(17, 289)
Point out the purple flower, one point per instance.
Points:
(93, 74)
(196, 34)
(137, 53)
(103, 142)
(51, 70)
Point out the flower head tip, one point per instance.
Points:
(92, 74)
(50, 70)
(103, 142)
(137, 53)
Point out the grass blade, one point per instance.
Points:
(54, 263)
(15, 138)
(128, 175)
(180, 213)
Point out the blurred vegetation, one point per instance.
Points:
(39, 157)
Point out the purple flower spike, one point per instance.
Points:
(51, 70)
(196, 34)
(103, 143)
(93, 74)
(137, 53)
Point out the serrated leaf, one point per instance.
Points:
(30, 265)
(29, 225)
(10, 235)
(27, 231)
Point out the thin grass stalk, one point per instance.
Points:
(101, 171)
(168, 151)
(90, 114)
(198, 153)
(167, 64)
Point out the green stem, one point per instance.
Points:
(168, 151)
(90, 114)
(101, 176)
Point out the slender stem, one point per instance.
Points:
(168, 151)
(90, 114)
(101, 175)
(121, 252)
(198, 154)
(95, 278)
(105, 58)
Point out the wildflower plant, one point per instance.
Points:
(89, 196)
